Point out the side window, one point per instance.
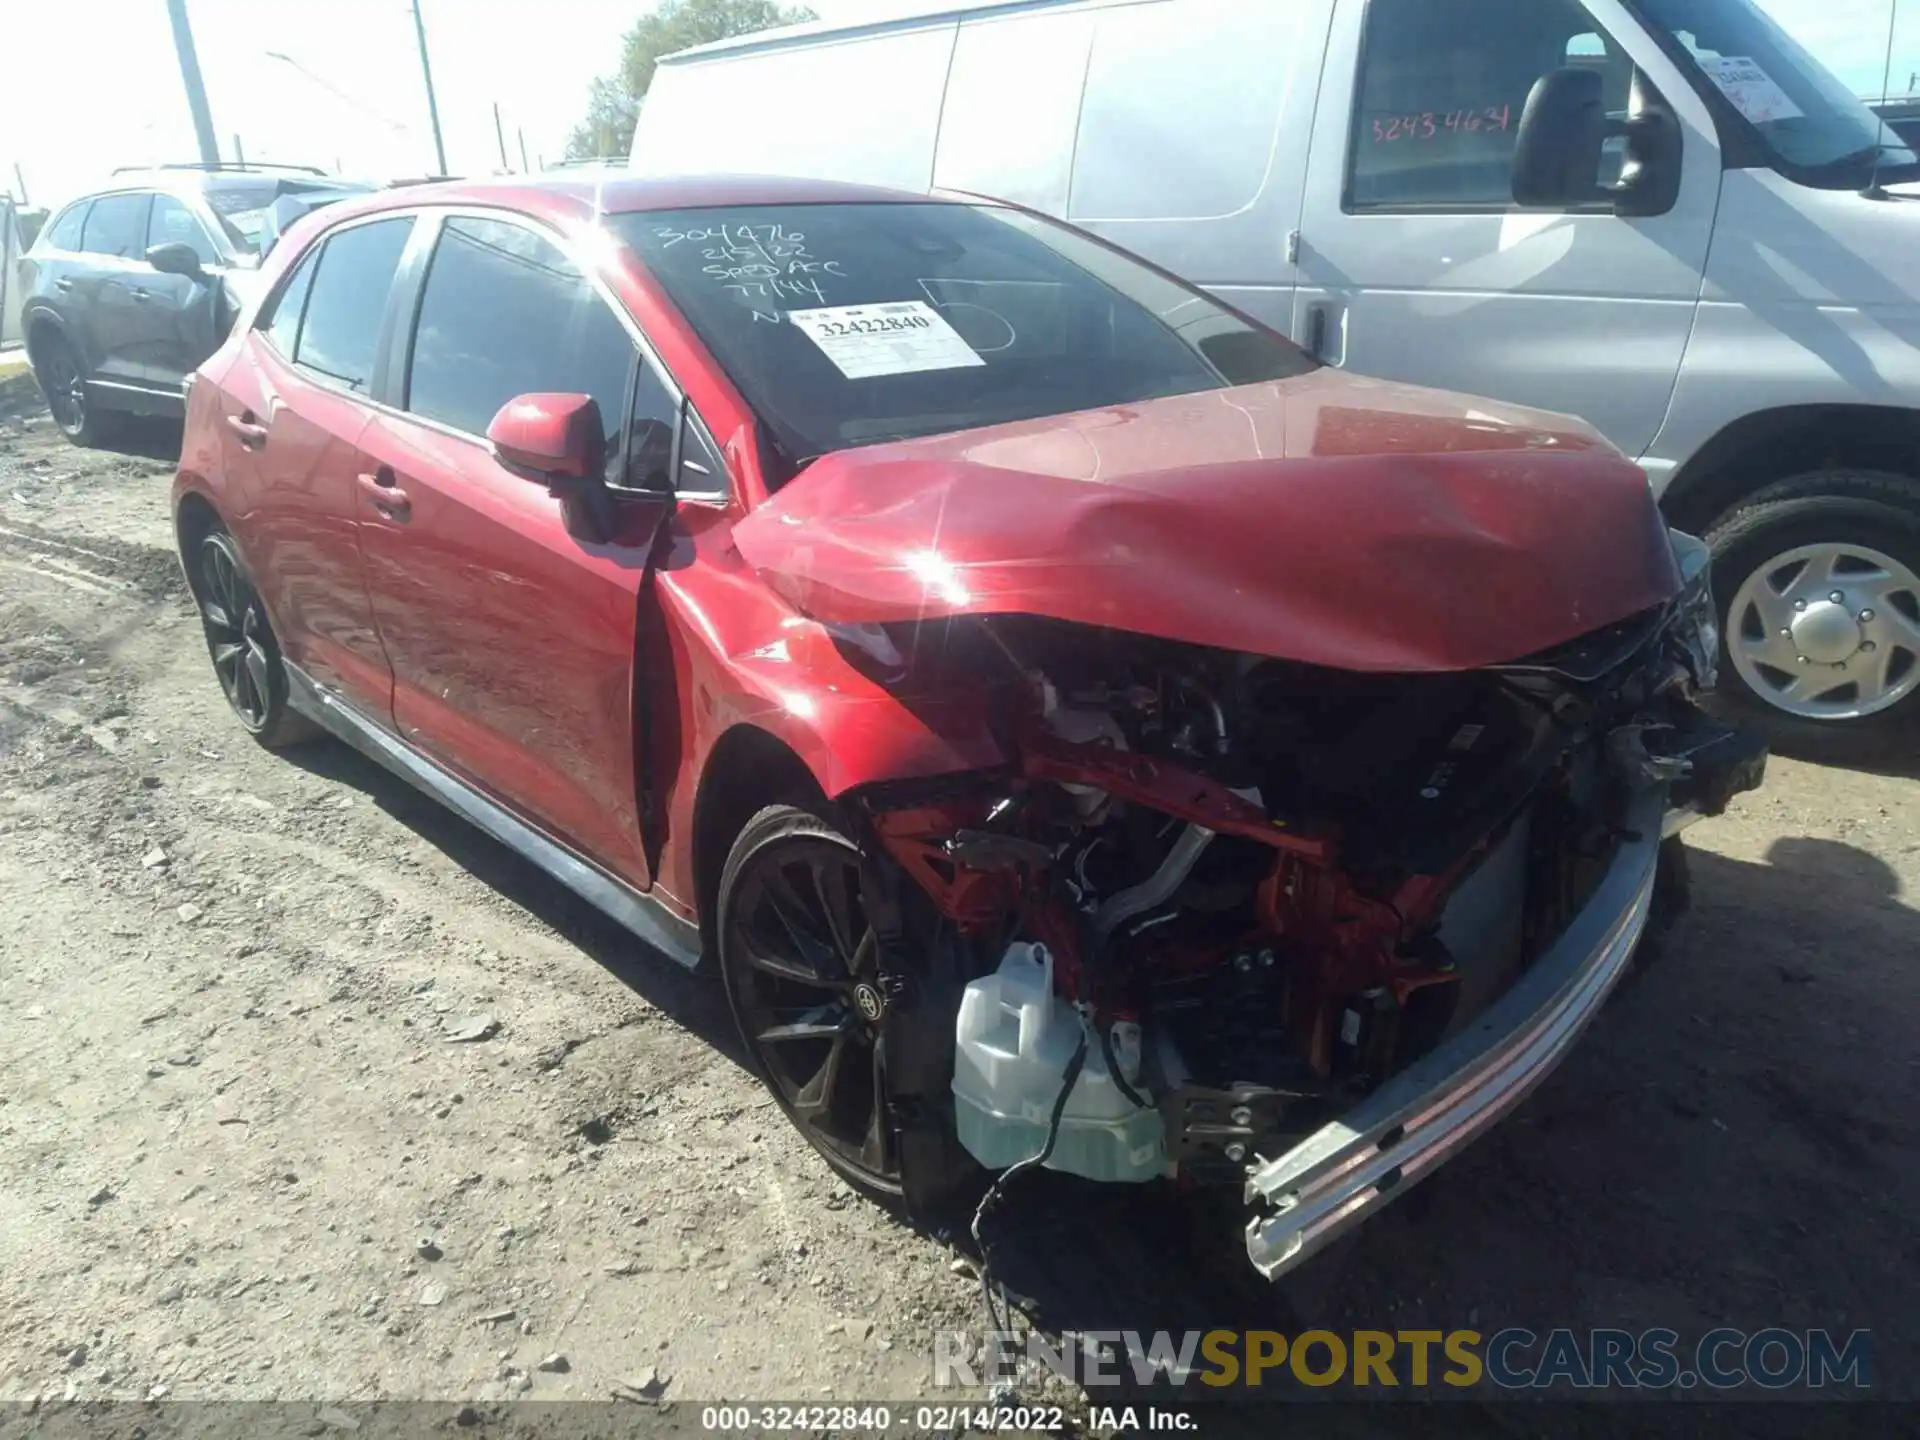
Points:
(1441, 88)
(117, 225)
(283, 328)
(64, 233)
(505, 313)
(172, 223)
(346, 299)
(648, 463)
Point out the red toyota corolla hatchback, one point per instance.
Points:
(1081, 729)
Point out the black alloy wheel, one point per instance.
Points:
(246, 657)
(799, 961)
(63, 381)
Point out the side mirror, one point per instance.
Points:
(176, 257)
(1556, 154)
(556, 439)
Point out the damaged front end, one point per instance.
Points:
(1299, 929)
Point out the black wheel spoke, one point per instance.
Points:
(873, 1148)
(257, 672)
(804, 930)
(834, 889)
(822, 1024)
(785, 967)
(814, 1102)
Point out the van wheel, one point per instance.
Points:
(1818, 581)
(63, 381)
(246, 656)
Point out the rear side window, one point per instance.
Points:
(64, 233)
(172, 223)
(346, 298)
(505, 313)
(283, 328)
(117, 225)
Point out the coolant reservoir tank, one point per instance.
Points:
(1013, 1041)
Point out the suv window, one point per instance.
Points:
(346, 299)
(64, 233)
(505, 313)
(172, 223)
(1442, 84)
(117, 225)
(283, 327)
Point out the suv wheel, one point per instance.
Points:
(63, 380)
(1818, 579)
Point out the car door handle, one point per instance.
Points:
(141, 294)
(251, 432)
(383, 492)
(63, 284)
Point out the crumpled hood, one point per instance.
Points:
(1328, 519)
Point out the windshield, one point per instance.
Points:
(243, 209)
(848, 325)
(1806, 117)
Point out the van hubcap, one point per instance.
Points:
(1828, 632)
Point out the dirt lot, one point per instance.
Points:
(244, 1159)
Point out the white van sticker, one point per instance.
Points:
(898, 338)
(1753, 92)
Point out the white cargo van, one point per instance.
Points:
(1717, 261)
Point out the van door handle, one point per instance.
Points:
(1317, 332)
(251, 432)
(383, 492)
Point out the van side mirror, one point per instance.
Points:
(176, 257)
(1556, 154)
(1558, 150)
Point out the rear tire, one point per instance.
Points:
(64, 382)
(240, 641)
(1804, 665)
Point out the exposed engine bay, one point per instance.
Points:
(1237, 892)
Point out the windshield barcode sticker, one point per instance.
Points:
(900, 338)
(1754, 93)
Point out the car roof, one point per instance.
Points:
(601, 193)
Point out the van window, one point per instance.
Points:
(1175, 124)
(1442, 86)
(506, 313)
(117, 225)
(853, 324)
(348, 297)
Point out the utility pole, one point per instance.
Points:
(521, 132)
(196, 91)
(239, 151)
(433, 105)
(500, 137)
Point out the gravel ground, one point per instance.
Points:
(249, 1157)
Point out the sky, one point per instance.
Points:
(86, 85)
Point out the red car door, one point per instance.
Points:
(512, 641)
(295, 408)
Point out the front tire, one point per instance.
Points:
(1818, 581)
(800, 965)
(240, 641)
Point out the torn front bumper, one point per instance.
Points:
(1425, 1115)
